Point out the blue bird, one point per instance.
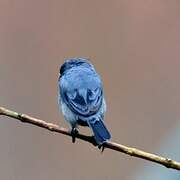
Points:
(81, 98)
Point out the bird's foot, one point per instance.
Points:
(74, 133)
(101, 147)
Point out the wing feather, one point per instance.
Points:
(84, 102)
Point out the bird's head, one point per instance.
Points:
(74, 62)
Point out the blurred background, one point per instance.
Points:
(134, 45)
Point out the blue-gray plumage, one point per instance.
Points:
(81, 97)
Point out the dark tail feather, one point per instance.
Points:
(101, 134)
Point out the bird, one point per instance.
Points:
(81, 98)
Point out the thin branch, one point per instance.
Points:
(110, 145)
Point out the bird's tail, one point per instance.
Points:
(101, 134)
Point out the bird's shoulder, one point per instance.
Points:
(78, 78)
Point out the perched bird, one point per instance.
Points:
(81, 98)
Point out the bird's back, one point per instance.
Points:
(81, 89)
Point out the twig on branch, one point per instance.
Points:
(110, 145)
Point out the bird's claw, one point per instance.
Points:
(101, 147)
(74, 133)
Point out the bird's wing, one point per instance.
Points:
(84, 102)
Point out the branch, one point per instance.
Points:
(110, 145)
